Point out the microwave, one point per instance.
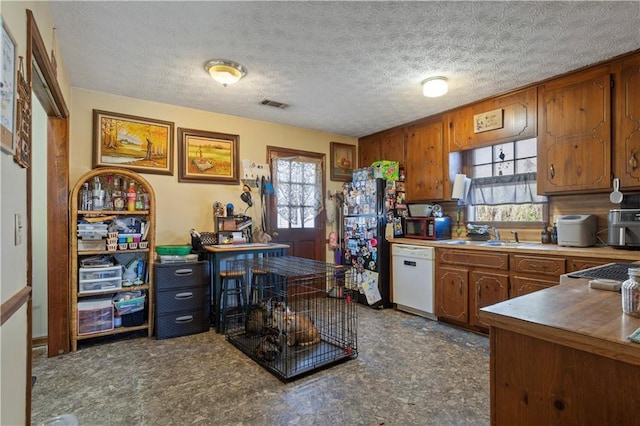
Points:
(428, 228)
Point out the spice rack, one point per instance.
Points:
(90, 315)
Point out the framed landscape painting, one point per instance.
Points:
(208, 157)
(141, 144)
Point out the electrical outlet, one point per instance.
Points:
(17, 227)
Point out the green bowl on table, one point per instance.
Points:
(175, 250)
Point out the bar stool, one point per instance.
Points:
(232, 284)
(259, 280)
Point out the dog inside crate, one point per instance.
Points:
(291, 325)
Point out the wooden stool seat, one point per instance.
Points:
(231, 274)
(233, 284)
(258, 282)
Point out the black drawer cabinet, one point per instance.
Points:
(182, 299)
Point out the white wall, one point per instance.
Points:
(13, 351)
(182, 206)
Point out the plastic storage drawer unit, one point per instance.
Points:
(92, 280)
(182, 299)
(95, 316)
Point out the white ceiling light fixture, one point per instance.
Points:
(225, 72)
(435, 86)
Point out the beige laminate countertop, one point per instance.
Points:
(571, 314)
(532, 248)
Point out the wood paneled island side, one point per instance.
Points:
(561, 356)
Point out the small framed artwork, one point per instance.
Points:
(208, 157)
(143, 145)
(342, 158)
(8, 90)
(490, 120)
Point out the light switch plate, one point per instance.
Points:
(17, 225)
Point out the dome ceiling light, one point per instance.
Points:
(225, 72)
(434, 87)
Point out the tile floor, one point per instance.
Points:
(409, 371)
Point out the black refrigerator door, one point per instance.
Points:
(365, 246)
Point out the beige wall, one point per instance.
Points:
(182, 206)
(13, 349)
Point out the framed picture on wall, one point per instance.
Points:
(343, 158)
(208, 157)
(7, 90)
(141, 144)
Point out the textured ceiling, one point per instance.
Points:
(351, 68)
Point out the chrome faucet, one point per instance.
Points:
(496, 233)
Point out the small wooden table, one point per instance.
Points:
(561, 356)
(218, 253)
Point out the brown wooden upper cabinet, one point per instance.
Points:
(517, 112)
(626, 142)
(369, 150)
(387, 145)
(574, 133)
(426, 167)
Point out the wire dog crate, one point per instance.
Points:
(300, 314)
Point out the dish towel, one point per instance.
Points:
(635, 336)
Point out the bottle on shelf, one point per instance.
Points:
(85, 200)
(108, 197)
(545, 237)
(117, 198)
(139, 199)
(98, 194)
(146, 200)
(131, 197)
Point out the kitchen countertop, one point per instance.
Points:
(530, 248)
(572, 315)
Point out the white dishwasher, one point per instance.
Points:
(413, 276)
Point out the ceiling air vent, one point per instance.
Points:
(274, 104)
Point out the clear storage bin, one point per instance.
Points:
(91, 280)
(95, 316)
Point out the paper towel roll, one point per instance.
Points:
(460, 187)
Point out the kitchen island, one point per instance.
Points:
(561, 356)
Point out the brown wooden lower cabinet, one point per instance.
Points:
(525, 285)
(468, 280)
(487, 289)
(452, 293)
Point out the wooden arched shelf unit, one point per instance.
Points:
(123, 256)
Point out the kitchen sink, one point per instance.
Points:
(490, 243)
(498, 243)
(465, 243)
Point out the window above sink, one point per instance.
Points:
(504, 187)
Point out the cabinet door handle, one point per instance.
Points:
(460, 288)
(183, 272)
(184, 319)
(183, 296)
(633, 162)
(552, 171)
(536, 266)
